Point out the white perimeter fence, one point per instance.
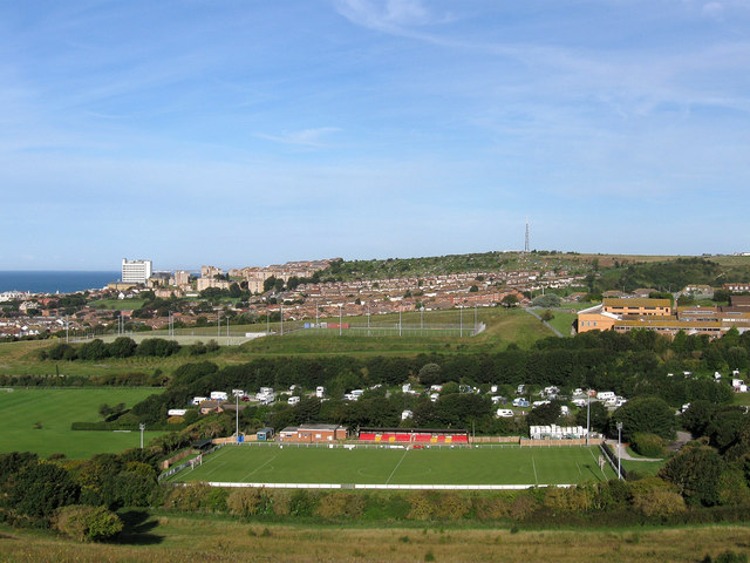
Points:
(381, 487)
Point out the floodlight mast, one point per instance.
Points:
(619, 452)
(588, 416)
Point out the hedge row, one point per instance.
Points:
(613, 503)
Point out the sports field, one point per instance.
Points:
(38, 420)
(382, 466)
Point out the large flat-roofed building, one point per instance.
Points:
(658, 315)
(136, 271)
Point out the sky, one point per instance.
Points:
(247, 132)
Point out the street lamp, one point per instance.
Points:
(588, 416)
(142, 427)
(619, 446)
(341, 313)
(237, 416)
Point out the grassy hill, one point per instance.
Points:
(438, 333)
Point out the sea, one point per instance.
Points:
(55, 281)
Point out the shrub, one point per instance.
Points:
(280, 502)
(647, 444)
(87, 523)
(569, 499)
(197, 497)
(491, 508)
(246, 502)
(653, 497)
(421, 506)
(303, 503)
(338, 505)
(733, 487)
(452, 506)
(523, 506)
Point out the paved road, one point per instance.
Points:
(624, 453)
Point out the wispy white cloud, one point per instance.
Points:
(314, 138)
(389, 15)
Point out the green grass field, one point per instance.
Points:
(435, 466)
(38, 420)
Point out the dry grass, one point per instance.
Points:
(182, 539)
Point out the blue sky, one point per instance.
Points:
(236, 133)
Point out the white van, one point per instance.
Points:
(219, 395)
(505, 413)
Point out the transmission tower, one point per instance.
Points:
(526, 241)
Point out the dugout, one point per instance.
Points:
(264, 434)
(202, 445)
(421, 436)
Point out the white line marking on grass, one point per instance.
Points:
(536, 477)
(215, 468)
(258, 468)
(388, 481)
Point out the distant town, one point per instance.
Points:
(302, 291)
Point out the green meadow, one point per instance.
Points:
(38, 420)
(508, 465)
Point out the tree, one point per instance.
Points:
(87, 523)
(122, 347)
(234, 290)
(645, 414)
(598, 416)
(546, 301)
(41, 488)
(509, 301)
(695, 471)
(429, 374)
(698, 416)
(544, 414)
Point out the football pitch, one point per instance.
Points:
(383, 466)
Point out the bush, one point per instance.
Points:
(569, 499)
(491, 507)
(338, 505)
(303, 503)
(421, 506)
(452, 506)
(280, 502)
(197, 497)
(87, 523)
(246, 502)
(647, 444)
(653, 497)
(523, 506)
